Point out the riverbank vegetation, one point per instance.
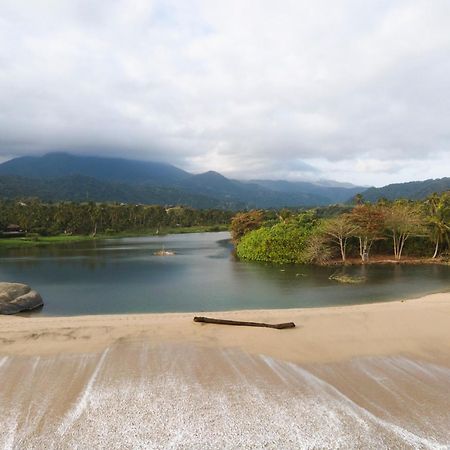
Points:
(47, 223)
(365, 232)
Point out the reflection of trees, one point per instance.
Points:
(59, 255)
(283, 276)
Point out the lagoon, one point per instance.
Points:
(114, 276)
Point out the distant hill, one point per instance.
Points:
(120, 170)
(80, 188)
(62, 176)
(253, 195)
(413, 190)
(329, 192)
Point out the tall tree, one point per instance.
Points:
(402, 220)
(438, 219)
(369, 223)
(338, 230)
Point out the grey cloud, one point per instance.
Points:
(279, 88)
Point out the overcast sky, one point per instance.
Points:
(351, 90)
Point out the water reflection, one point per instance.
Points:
(124, 275)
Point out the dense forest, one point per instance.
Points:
(49, 219)
(78, 188)
(386, 229)
(382, 230)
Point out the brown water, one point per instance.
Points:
(137, 395)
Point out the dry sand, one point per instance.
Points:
(418, 328)
(369, 376)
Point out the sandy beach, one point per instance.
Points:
(418, 328)
(372, 376)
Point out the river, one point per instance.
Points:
(124, 276)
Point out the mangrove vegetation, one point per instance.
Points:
(386, 230)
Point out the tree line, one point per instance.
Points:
(387, 228)
(89, 218)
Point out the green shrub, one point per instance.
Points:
(280, 244)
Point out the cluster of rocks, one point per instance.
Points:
(17, 297)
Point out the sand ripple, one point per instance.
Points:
(136, 395)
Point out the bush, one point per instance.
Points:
(282, 243)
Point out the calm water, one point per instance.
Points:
(123, 276)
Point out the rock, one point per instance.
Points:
(17, 297)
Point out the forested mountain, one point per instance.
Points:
(55, 165)
(216, 185)
(413, 190)
(80, 188)
(326, 190)
(61, 176)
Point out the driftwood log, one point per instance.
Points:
(278, 326)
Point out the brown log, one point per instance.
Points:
(278, 326)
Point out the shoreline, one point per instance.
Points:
(413, 327)
(413, 262)
(61, 239)
(378, 259)
(32, 315)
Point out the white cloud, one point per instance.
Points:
(369, 166)
(245, 88)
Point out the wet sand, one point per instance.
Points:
(369, 376)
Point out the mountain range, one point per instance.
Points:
(62, 176)
(413, 190)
